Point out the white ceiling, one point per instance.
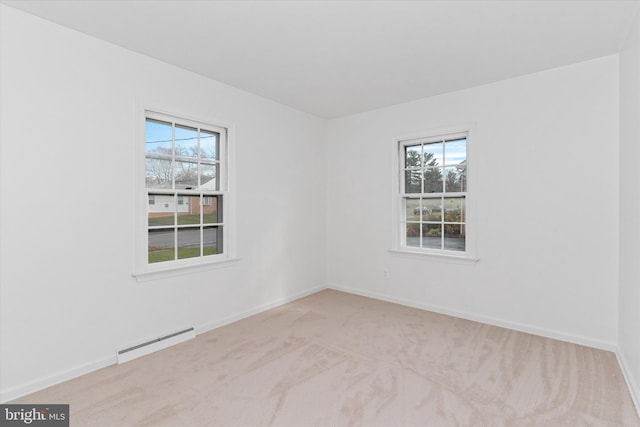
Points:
(334, 58)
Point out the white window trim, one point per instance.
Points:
(470, 255)
(144, 271)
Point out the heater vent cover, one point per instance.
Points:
(155, 345)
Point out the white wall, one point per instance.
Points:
(629, 309)
(68, 300)
(546, 188)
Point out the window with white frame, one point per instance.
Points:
(186, 188)
(433, 194)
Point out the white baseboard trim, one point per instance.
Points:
(632, 384)
(547, 333)
(259, 309)
(51, 380)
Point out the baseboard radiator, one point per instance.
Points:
(155, 345)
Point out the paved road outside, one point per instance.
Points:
(186, 238)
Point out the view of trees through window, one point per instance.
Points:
(434, 197)
(184, 214)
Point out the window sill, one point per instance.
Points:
(179, 270)
(455, 259)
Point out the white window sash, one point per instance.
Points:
(224, 162)
(398, 234)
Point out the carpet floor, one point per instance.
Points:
(336, 359)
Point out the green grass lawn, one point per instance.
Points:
(182, 220)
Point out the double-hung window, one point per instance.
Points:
(433, 198)
(185, 183)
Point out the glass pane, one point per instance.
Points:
(455, 152)
(433, 180)
(212, 209)
(454, 239)
(432, 236)
(186, 141)
(188, 209)
(454, 209)
(161, 246)
(413, 234)
(212, 240)
(160, 210)
(188, 242)
(209, 145)
(432, 210)
(186, 175)
(158, 137)
(453, 180)
(208, 178)
(158, 173)
(412, 209)
(432, 154)
(413, 181)
(412, 154)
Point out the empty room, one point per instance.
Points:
(320, 213)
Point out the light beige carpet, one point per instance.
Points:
(335, 359)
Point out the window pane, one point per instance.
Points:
(454, 209)
(456, 151)
(186, 175)
(454, 239)
(161, 211)
(208, 177)
(212, 209)
(208, 145)
(463, 177)
(432, 154)
(412, 154)
(433, 180)
(413, 181)
(188, 209)
(412, 209)
(432, 210)
(413, 234)
(158, 173)
(212, 240)
(188, 242)
(430, 220)
(158, 137)
(185, 159)
(432, 236)
(161, 245)
(186, 141)
(454, 179)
